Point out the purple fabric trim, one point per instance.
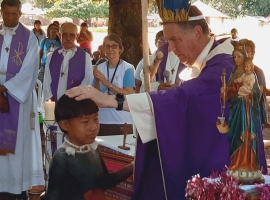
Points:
(53, 137)
(162, 66)
(76, 70)
(9, 121)
(189, 141)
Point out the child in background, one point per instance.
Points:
(77, 170)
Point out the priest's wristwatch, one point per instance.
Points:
(120, 98)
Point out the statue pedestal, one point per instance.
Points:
(247, 177)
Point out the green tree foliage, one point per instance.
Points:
(41, 3)
(83, 9)
(233, 8)
(260, 8)
(238, 8)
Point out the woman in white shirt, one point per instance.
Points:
(112, 77)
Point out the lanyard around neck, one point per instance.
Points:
(113, 72)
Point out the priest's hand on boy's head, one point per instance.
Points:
(88, 92)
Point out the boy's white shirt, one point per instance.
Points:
(71, 151)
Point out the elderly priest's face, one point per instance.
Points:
(68, 35)
(184, 43)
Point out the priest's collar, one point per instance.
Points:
(14, 28)
(74, 49)
(10, 29)
(201, 58)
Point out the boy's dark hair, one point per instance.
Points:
(11, 3)
(68, 108)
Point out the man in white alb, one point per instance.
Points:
(20, 147)
(66, 67)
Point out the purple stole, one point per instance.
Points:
(76, 70)
(162, 65)
(9, 121)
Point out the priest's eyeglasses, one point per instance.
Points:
(70, 35)
(107, 47)
(162, 41)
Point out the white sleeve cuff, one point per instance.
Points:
(142, 116)
(154, 86)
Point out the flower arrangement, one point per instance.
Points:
(219, 187)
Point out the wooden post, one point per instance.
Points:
(124, 129)
(145, 46)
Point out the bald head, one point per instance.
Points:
(68, 33)
(68, 25)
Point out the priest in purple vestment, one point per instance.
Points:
(20, 147)
(66, 67)
(177, 130)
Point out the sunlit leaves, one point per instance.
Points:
(83, 9)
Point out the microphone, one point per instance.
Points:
(166, 75)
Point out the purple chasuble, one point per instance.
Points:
(76, 70)
(188, 141)
(9, 121)
(162, 65)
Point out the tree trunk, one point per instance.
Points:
(125, 19)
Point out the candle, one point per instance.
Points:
(49, 112)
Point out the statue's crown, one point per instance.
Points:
(240, 46)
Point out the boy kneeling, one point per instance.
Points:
(77, 170)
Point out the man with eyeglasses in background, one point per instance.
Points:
(68, 66)
(170, 62)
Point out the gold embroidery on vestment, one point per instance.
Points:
(17, 59)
